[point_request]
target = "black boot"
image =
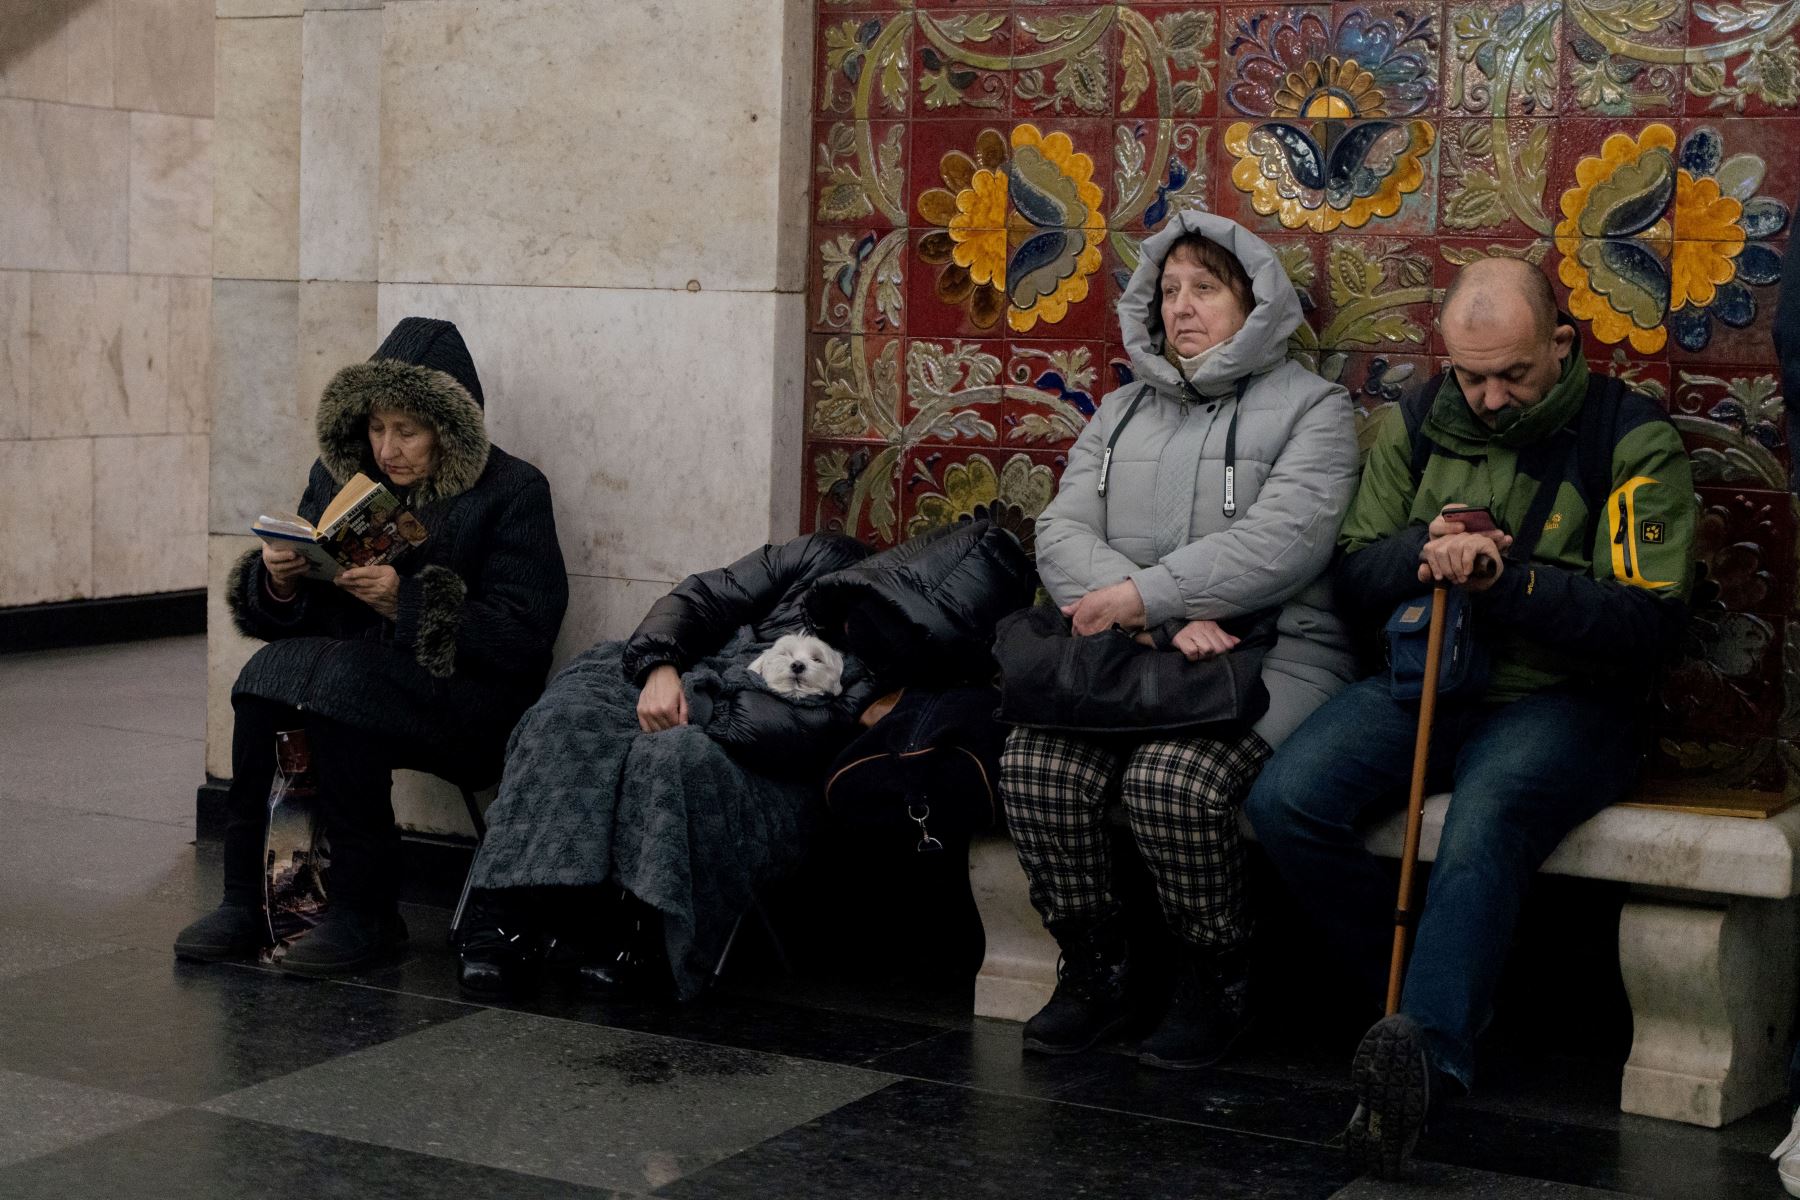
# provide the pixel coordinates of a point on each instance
(1398, 1089)
(1208, 1013)
(347, 940)
(501, 950)
(228, 933)
(626, 960)
(1091, 997)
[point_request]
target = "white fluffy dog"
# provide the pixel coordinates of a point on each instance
(801, 665)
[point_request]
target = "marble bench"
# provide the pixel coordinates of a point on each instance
(1709, 946)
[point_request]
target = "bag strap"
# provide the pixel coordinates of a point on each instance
(1229, 505)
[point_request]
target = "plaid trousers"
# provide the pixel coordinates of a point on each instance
(1181, 796)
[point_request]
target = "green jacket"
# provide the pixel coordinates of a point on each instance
(1601, 595)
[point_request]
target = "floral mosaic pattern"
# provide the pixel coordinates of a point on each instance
(984, 173)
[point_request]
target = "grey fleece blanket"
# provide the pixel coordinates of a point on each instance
(588, 798)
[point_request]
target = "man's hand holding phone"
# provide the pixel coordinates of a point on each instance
(1464, 547)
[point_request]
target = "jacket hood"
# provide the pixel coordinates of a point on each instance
(424, 370)
(1259, 346)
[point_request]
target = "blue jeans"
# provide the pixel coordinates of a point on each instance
(1521, 775)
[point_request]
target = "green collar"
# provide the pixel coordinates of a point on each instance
(1452, 424)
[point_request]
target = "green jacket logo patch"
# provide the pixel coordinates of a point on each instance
(1651, 533)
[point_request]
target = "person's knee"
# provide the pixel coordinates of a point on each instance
(1273, 806)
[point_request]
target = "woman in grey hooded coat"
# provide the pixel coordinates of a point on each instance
(1210, 487)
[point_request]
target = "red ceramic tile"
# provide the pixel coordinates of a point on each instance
(1052, 389)
(1649, 377)
(853, 387)
(1733, 421)
(942, 298)
(961, 62)
(1331, 61)
(1265, 184)
(1160, 168)
(859, 173)
(1375, 293)
(1744, 73)
(944, 157)
(1168, 60)
(857, 281)
(1753, 161)
(945, 485)
(1064, 60)
(1597, 82)
(851, 487)
(1716, 327)
(1496, 178)
(861, 64)
(1501, 58)
(952, 391)
(1745, 542)
(1726, 685)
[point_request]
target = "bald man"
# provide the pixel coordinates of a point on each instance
(1575, 591)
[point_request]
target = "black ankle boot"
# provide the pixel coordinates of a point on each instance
(347, 940)
(228, 933)
(500, 951)
(1091, 997)
(1208, 1013)
(628, 961)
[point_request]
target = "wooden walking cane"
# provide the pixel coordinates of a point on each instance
(1415, 804)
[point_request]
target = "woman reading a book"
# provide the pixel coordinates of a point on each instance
(423, 658)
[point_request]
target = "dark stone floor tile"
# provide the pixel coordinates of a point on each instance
(23, 951)
(722, 1017)
(594, 1106)
(142, 1023)
(40, 1115)
(194, 1155)
(918, 1139)
(1432, 1181)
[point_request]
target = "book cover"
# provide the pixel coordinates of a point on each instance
(365, 525)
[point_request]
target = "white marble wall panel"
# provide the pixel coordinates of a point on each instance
(651, 413)
(58, 50)
(46, 520)
(164, 56)
(15, 354)
(63, 187)
(604, 609)
(262, 445)
(149, 514)
(190, 355)
(288, 8)
(566, 142)
(171, 209)
(227, 650)
(256, 150)
(340, 144)
(337, 327)
(99, 354)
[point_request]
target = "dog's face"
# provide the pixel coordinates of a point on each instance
(798, 665)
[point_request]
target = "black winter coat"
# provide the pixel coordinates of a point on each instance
(481, 600)
(921, 611)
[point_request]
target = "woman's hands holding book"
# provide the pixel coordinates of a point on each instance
(285, 567)
(377, 587)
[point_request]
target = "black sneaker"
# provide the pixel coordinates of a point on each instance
(346, 940)
(1091, 998)
(628, 962)
(497, 961)
(229, 933)
(1394, 1081)
(1208, 1013)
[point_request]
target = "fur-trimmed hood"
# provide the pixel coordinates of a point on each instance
(424, 370)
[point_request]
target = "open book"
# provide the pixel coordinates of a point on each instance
(365, 525)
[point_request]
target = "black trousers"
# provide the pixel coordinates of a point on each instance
(354, 769)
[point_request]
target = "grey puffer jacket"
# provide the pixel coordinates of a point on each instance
(1162, 523)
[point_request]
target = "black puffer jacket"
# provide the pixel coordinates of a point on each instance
(480, 601)
(934, 598)
(924, 612)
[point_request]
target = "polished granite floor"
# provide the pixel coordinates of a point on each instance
(125, 1074)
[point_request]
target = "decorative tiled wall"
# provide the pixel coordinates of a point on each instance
(984, 172)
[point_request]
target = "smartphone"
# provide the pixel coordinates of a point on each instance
(1474, 519)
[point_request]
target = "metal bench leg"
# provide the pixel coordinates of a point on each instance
(462, 901)
(768, 928)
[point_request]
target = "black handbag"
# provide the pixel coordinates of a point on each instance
(1109, 682)
(928, 770)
